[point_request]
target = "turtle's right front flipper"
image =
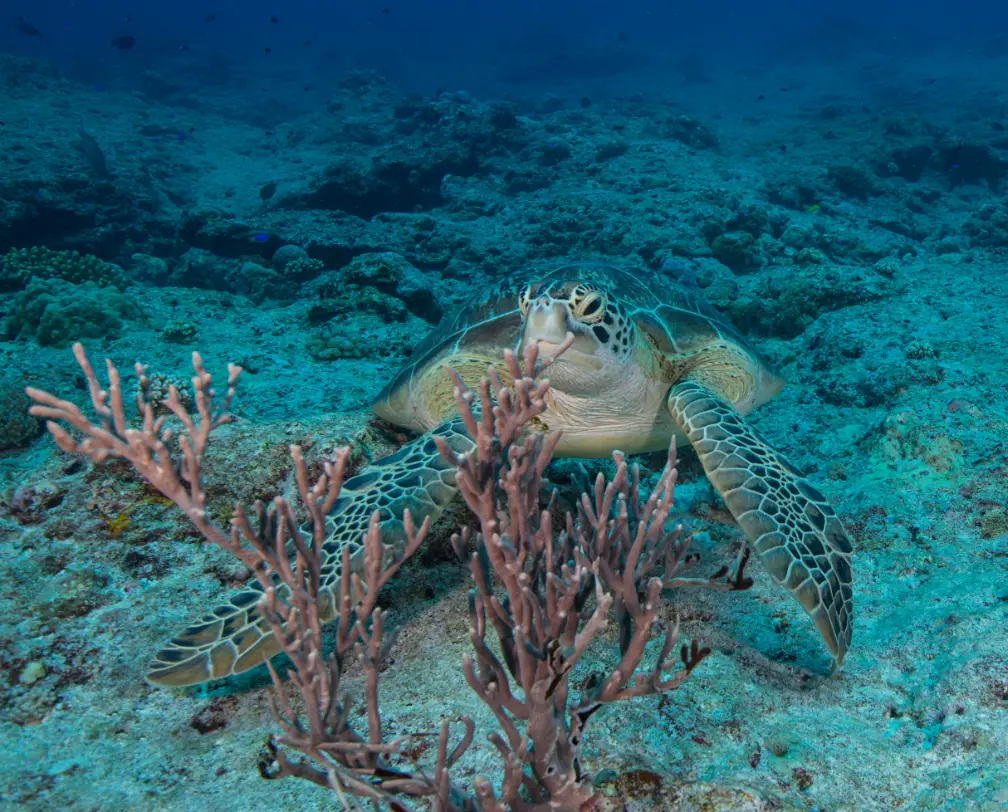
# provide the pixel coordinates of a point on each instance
(792, 527)
(235, 637)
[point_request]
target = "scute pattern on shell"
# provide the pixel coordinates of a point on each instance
(679, 321)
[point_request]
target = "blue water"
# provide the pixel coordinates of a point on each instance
(480, 45)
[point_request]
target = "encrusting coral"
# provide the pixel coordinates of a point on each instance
(53, 312)
(21, 265)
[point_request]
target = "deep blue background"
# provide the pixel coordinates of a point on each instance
(485, 46)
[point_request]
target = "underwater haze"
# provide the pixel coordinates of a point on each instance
(726, 528)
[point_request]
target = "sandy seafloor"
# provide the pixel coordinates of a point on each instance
(868, 260)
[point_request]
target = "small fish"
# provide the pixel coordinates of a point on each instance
(386, 10)
(274, 19)
(815, 208)
(782, 147)
(184, 48)
(306, 43)
(953, 159)
(929, 81)
(261, 237)
(92, 152)
(268, 190)
(268, 132)
(210, 18)
(783, 90)
(27, 28)
(266, 50)
(127, 19)
(761, 97)
(124, 43)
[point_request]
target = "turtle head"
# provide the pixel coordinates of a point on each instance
(604, 333)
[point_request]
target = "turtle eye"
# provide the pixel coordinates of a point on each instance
(590, 308)
(523, 300)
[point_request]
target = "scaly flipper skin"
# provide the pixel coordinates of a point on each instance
(789, 523)
(234, 637)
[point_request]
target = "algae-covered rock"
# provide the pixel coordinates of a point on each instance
(613, 148)
(17, 427)
(149, 270)
(260, 283)
(691, 132)
(785, 306)
(354, 299)
(553, 152)
(178, 331)
(293, 262)
(303, 268)
(224, 235)
(383, 270)
(853, 181)
(389, 273)
(333, 342)
(286, 254)
(735, 250)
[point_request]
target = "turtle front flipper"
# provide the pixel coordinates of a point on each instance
(789, 523)
(235, 637)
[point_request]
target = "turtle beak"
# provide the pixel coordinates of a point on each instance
(546, 322)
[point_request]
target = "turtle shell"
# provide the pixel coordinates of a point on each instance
(677, 321)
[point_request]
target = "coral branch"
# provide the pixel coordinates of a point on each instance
(546, 596)
(332, 753)
(558, 590)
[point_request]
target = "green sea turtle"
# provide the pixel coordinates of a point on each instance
(650, 361)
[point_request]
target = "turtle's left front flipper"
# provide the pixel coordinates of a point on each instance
(789, 523)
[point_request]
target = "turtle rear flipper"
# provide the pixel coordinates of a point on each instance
(790, 524)
(232, 638)
(235, 637)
